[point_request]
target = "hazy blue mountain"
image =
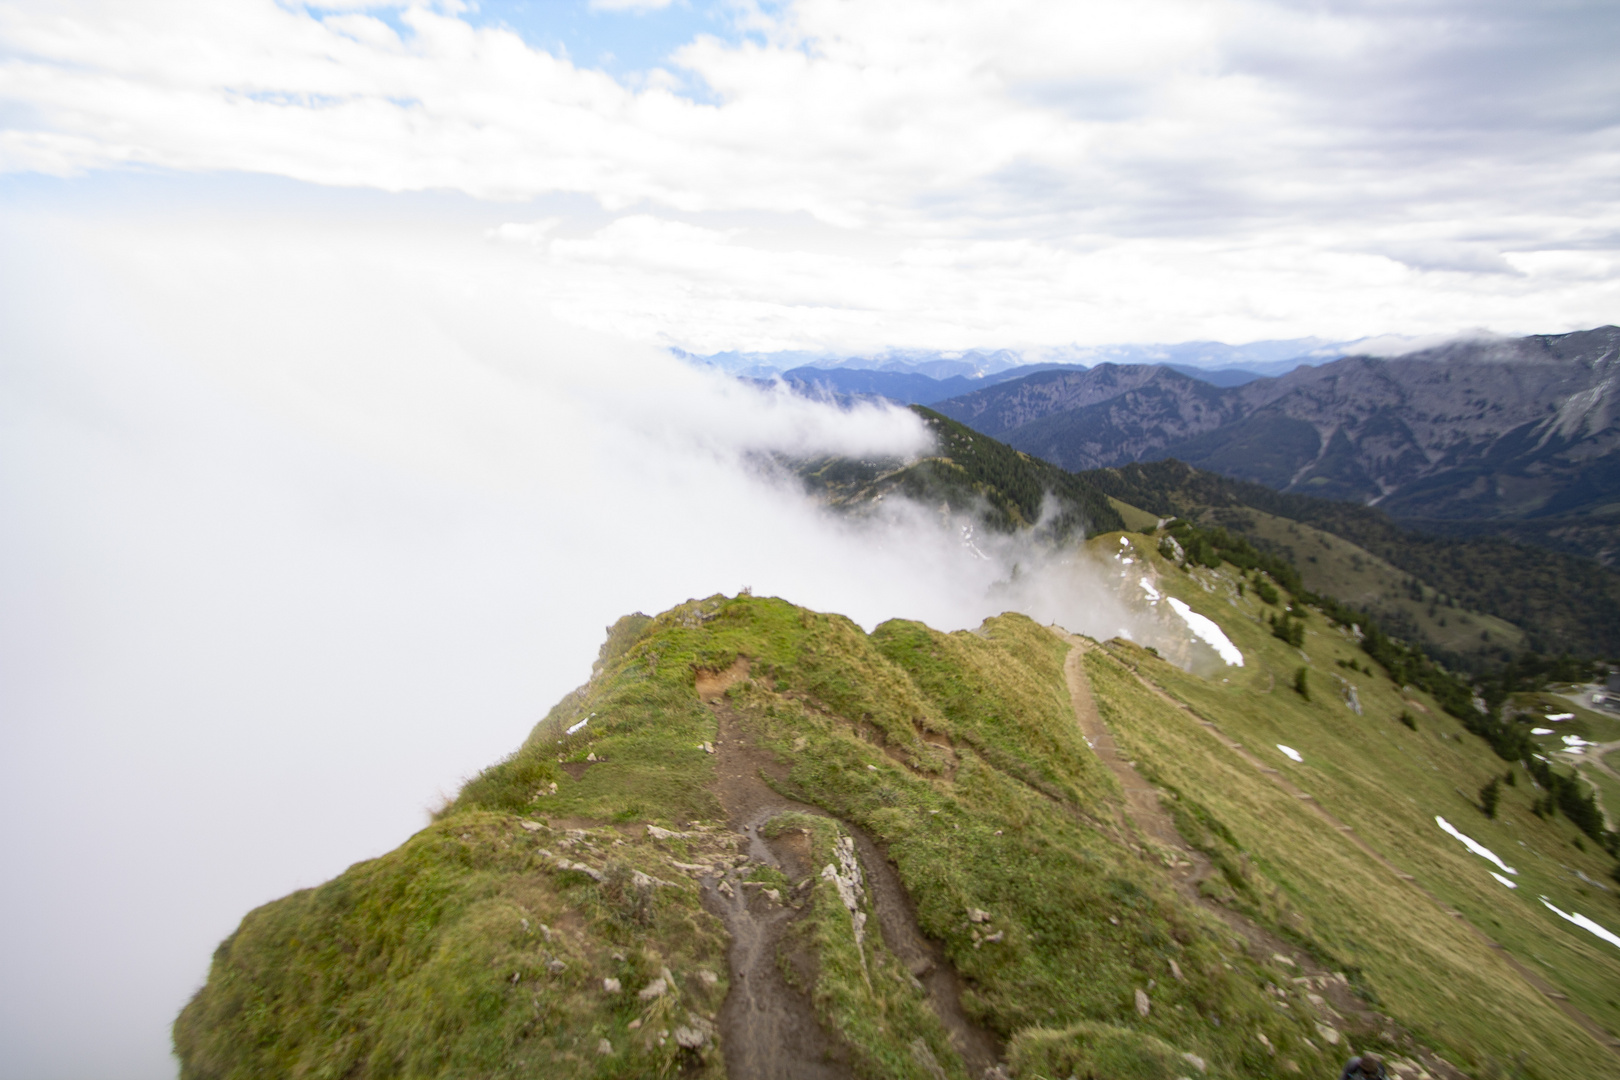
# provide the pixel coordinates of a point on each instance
(1217, 376)
(1225, 364)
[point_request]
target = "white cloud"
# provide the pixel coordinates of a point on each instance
(1031, 173)
(629, 5)
(306, 520)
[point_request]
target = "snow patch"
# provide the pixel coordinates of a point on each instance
(1124, 542)
(1584, 923)
(1153, 594)
(1541, 731)
(1206, 630)
(579, 725)
(1503, 880)
(1560, 716)
(1290, 751)
(1473, 845)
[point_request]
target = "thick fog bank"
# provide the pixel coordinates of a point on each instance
(301, 526)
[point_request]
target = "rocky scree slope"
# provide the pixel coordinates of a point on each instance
(574, 912)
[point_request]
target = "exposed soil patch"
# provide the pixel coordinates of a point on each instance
(768, 1027)
(897, 919)
(576, 769)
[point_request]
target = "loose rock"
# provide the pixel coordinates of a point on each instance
(1143, 1005)
(611, 986)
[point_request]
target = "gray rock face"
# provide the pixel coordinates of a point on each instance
(1471, 430)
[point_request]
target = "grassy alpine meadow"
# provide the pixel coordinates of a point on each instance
(539, 927)
(1390, 782)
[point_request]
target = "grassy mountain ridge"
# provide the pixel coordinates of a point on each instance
(481, 946)
(969, 473)
(1560, 602)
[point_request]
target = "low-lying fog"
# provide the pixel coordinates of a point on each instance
(303, 523)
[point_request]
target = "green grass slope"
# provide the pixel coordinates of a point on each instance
(539, 927)
(1332, 566)
(1560, 602)
(971, 473)
(1389, 782)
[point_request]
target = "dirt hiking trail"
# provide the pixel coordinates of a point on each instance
(1330, 991)
(768, 1027)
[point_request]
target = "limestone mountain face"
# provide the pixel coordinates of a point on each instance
(1515, 429)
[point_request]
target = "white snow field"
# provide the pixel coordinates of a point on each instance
(1473, 845)
(1209, 632)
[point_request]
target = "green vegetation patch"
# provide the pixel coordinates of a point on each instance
(467, 951)
(1094, 1052)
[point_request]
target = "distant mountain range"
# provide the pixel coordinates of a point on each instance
(1216, 358)
(1511, 437)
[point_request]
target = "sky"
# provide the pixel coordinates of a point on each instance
(849, 176)
(338, 416)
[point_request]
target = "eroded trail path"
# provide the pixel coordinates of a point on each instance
(768, 1027)
(1189, 867)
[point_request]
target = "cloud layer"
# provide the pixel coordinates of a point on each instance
(305, 522)
(941, 175)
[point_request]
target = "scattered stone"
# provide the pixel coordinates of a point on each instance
(611, 986)
(1315, 999)
(579, 867)
(556, 967)
(653, 990)
(1281, 959)
(1175, 969)
(532, 826)
(590, 756)
(1330, 1035)
(1196, 1062)
(978, 915)
(774, 895)
(1265, 1042)
(995, 937)
(604, 1048)
(801, 742)
(691, 1038)
(666, 834)
(635, 1024)
(707, 977)
(619, 956)
(1143, 1005)
(647, 881)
